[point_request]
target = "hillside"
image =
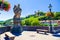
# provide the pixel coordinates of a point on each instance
(34, 19)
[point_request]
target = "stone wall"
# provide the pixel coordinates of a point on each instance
(26, 28)
(33, 28)
(4, 29)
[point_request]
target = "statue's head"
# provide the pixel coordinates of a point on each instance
(17, 9)
(18, 5)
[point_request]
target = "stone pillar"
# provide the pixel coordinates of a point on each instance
(16, 20)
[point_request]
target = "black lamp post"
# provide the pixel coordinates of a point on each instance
(50, 6)
(50, 28)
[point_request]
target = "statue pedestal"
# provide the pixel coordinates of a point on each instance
(16, 30)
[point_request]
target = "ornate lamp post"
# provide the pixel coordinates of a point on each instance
(50, 28)
(50, 6)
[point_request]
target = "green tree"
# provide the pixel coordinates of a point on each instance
(39, 13)
(56, 15)
(42, 18)
(35, 22)
(22, 22)
(27, 22)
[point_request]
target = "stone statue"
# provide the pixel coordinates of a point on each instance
(17, 10)
(16, 20)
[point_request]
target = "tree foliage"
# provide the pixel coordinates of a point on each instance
(33, 20)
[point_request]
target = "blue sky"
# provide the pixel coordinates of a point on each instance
(29, 6)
